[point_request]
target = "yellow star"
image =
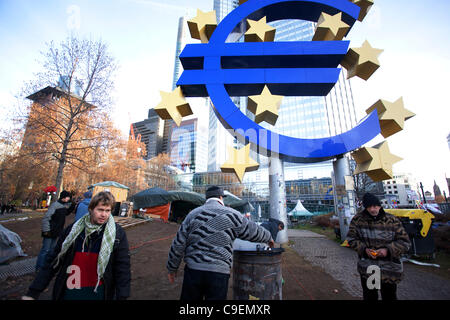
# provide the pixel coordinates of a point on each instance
(330, 27)
(362, 62)
(376, 162)
(173, 106)
(239, 162)
(259, 31)
(265, 106)
(392, 116)
(365, 6)
(203, 25)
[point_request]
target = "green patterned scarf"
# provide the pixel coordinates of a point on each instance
(107, 241)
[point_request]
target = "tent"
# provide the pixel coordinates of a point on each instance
(174, 205)
(299, 211)
(148, 198)
(167, 205)
(9, 245)
(183, 202)
(232, 201)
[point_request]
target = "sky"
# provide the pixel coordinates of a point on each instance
(141, 35)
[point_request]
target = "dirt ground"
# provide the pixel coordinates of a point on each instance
(149, 245)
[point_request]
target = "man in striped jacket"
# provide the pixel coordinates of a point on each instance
(380, 240)
(205, 239)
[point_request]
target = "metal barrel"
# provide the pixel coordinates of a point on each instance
(257, 275)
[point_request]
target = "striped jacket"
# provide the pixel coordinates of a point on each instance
(382, 231)
(206, 236)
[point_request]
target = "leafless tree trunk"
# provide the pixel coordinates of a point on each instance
(71, 101)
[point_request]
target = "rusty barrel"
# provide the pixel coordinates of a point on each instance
(257, 274)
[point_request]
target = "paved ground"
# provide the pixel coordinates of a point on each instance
(314, 267)
(340, 263)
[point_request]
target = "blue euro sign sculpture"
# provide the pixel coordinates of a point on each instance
(224, 68)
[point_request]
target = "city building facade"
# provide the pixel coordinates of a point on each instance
(400, 191)
(300, 117)
(150, 131)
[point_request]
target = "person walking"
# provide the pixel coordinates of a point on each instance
(205, 240)
(82, 208)
(380, 240)
(52, 225)
(91, 260)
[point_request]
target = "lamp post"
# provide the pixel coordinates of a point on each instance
(423, 194)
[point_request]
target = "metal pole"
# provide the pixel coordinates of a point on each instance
(277, 196)
(345, 202)
(423, 194)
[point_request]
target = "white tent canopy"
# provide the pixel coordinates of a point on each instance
(299, 211)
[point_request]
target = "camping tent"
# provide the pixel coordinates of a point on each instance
(9, 245)
(299, 211)
(148, 198)
(167, 205)
(243, 206)
(174, 205)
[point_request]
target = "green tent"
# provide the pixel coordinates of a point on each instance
(148, 198)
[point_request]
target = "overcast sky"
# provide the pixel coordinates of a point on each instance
(141, 35)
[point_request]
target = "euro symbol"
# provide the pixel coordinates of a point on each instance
(224, 68)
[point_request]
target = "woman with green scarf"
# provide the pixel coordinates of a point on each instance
(91, 260)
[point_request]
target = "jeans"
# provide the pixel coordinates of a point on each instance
(199, 285)
(48, 244)
(388, 291)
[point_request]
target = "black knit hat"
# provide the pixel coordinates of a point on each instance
(370, 200)
(214, 192)
(64, 194)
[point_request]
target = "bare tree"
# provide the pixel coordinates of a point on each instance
(363, 183)
(68, 121)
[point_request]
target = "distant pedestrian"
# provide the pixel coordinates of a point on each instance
(52, 225)
(82, 208)
(91, 260)
(205, 240)
(380, 240)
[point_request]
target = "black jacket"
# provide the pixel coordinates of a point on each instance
(116, 278)
(272, 226)
(58, 220)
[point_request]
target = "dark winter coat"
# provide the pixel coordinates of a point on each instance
(116, 278)
(272, 226)
(55, 218)
(382, 231)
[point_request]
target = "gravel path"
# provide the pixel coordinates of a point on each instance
(340, 263)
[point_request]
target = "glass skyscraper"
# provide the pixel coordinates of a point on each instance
(301, 117)
(187, 144)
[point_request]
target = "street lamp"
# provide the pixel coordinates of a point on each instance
(423, 194)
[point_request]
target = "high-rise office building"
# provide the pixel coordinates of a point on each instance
(151, 132)
(219, 137)
(188, 149)
(300, 117)
(187, 144)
